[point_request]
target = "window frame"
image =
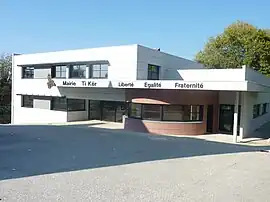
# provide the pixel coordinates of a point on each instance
(69, 101)
(91, 70)
(186, 109)
(256, 111)
(63, 71)
(31, 69)
(55, 106)
(23, 101)
(151, 72)
(71, 70)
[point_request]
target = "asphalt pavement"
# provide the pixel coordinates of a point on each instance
(69, 163)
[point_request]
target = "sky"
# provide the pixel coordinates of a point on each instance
(179, 27)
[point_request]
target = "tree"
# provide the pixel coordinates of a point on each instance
(240, 44)
(5, 88)
(5, 69)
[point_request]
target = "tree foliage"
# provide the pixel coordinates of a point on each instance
(240, 44)
(5, 69)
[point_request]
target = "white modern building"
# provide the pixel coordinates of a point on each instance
(147, 89)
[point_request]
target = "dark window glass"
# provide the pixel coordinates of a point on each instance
(135, 110)
(28, 72)
(153, 72)
(77, 71)
(265, 108)
(59, 104)
(183, 113)
(99, 71)
(59, 71)
(173, 112)
(256, 110)
(75, 105)
(151, 112)
(27, 101)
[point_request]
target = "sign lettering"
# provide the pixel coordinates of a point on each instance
(122, 84)
(188, 85)
(69, 83)
(152, 85)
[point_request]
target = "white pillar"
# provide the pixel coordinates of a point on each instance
(67, 71)
(235, 116)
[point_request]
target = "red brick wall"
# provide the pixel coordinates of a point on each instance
(172, 97)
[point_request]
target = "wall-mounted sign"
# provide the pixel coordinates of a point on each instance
(148, 84)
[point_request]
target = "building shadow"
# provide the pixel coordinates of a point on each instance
(36, 150)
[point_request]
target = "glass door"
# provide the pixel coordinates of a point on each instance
(226, 118)
(108, 111)
(94, 112)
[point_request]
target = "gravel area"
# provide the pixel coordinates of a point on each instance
(66, 163)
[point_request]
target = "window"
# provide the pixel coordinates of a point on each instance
(59, 71)
(153, 72)
(265, 108)
(173, 112)
(27, 101)
(75, 105)
(151, 112)
(183, 113)
(77, 71)
(135, 110)
(59, 104)
(256, 110)
(99, 71)
(28, 72)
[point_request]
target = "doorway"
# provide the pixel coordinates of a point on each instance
(210, 115)
(226, 118)
(111, 111)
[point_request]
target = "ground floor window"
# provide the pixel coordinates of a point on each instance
(59, 104)
(75, 105)
(166, 112)
(256, 110)
(27, 101)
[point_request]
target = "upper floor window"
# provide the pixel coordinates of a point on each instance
(153, 72)
(99, 71)
(59, 71)
(77, 71)
(27, 101)
(28, 72)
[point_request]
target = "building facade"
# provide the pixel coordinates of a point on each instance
(148, 90)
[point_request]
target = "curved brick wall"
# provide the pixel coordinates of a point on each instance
(185, 97)
(159, 127)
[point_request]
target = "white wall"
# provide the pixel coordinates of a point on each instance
(212, 74)
(94, 93)
(25, 115)
(122, 59)
(169, 64)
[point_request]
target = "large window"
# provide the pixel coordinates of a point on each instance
(151, 112)
(264, 108)
(135, 110)
(183, 113)
(98, 71)
(28, 72)
(153, 72)
(59, 104)
(59, 71)
(77, 71)
(256, 110)
(27, 101)
(75, 105)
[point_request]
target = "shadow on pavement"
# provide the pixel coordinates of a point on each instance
(35, 150)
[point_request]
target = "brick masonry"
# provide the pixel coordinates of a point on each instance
(184, 97)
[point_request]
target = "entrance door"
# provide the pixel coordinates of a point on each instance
(108, 111)
(94, 112)
(210, 111)
(226, 118)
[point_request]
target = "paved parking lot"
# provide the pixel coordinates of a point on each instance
(76, 163)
